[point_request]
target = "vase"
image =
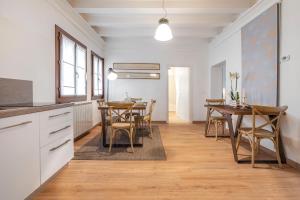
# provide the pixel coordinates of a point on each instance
(235, 103)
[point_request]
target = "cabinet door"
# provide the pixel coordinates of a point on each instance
(19, 156)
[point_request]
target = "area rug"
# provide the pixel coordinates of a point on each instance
(152, 149)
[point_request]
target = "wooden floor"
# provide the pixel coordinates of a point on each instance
(196, 168)
(174, 119)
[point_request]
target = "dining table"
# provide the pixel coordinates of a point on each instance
(228, 111)
(137, 107)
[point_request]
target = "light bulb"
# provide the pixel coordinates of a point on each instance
(112, 75)
(163, 31)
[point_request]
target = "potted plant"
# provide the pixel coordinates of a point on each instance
(234, 93)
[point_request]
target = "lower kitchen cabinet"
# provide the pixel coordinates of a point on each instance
(33, 147)
(20, 156)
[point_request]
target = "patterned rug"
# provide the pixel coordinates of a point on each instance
(152, 149)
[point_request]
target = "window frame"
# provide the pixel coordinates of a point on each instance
(95, 97)
(67, 98)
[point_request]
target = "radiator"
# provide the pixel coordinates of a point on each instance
(82, 118)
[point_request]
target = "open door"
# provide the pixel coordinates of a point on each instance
(179, 95)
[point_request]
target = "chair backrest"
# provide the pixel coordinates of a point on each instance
(120, 111)
(135, 99)
(101, 102)
(215, 102)
(150, 107)
(264, 112)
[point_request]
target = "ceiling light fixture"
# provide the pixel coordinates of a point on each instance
(112, 75)
(163, 31)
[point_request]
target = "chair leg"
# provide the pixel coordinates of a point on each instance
(208, 128)
(112, 133)
(134, 133)
(277, 153)
(216, 125)
(150, 128)
(253, 144)
(131, 141)
(223, 128)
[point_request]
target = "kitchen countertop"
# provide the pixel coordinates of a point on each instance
(17, 110)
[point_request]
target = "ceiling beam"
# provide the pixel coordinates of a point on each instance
(152, 20)
(155, 6)
(149, 32)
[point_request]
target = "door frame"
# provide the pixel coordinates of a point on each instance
(223, 65)
(190, 93)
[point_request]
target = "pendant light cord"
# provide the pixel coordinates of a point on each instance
(164, 8)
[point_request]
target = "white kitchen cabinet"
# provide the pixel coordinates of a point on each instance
(56, 155)
(55, 124)
(19, 156)
(33, 147)
(56, 140)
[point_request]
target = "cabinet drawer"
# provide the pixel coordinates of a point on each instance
(49, 134)
(55, 155)
(58, 116)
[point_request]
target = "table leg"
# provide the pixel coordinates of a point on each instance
(238, 124)
(281, 149)
(103, 124)
(232, 137)
(206, 123)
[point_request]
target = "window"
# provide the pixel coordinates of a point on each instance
(71, 59)
(97, 76)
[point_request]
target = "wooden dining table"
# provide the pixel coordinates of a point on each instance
(139, 107)
(228, 111)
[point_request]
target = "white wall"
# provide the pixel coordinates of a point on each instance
(289, 77)
(27, 42)
(179, 52)
(227, 46)
(230, 50)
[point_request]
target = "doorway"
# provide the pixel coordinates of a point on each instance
(218, 80)
(179, 94)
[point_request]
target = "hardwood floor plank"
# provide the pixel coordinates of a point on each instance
(196, 168)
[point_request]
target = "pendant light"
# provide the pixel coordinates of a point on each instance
(112, 75)
(163, 31)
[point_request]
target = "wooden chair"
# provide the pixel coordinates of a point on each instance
(101, 102)
(217, 120)
(119, 121)
(258, 132)
(147, 118)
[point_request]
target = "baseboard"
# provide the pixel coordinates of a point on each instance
(273, 154)
(159, 122)
(288, 161)
(198, 122)
(87, 132)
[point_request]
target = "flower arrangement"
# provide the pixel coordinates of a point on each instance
(234, 94)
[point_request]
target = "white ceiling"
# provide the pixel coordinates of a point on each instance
(139, 18)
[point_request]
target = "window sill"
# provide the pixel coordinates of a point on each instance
(69, 99)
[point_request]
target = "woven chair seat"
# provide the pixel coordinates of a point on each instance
(122, 125)
(257, 132)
